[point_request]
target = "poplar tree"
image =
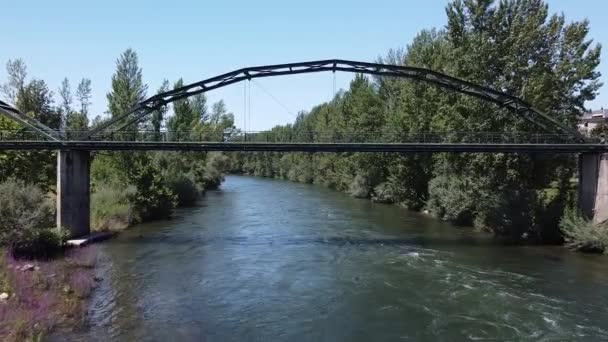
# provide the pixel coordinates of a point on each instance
(152, 198)
(518, 48)
(158, 116)
(65, 92)
(83, 94)
(128, 87)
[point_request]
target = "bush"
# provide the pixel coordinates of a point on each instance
(27, 217)
(359, 187)
(408, 179)
(111, 208)
(452, 199)
(39, 243)
(383, 193)
(583, 235)
(508, 213)
(152, 198)
(215, 165)
(184, 187)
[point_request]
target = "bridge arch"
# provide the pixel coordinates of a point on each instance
(515, 104)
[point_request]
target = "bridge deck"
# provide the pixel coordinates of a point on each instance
(301, 147)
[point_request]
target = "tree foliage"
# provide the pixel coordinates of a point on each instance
(17, 73)
(36, 100)
(27, 220)
(128, 87)
(83, 94)
(127, 187)
(158, 116)
(160, 181)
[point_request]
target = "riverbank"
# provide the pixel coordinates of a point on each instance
(40, 296)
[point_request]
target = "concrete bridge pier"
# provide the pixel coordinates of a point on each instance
(73, 191)
(593, 186)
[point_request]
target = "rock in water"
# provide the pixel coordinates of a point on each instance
(3, 296)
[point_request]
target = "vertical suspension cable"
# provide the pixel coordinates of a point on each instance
(249, 103)
(332, 99)
(245, 111)
(244, 107)
(334, 76)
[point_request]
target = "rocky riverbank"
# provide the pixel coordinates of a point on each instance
(39, 296)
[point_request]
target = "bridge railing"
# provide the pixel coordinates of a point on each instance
(304, 137)
(20, 135)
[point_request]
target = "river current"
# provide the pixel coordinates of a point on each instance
(268, 260)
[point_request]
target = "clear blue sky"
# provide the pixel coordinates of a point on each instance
(200, 39)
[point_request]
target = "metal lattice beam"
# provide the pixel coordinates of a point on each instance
(16, 115)
(518, 106)
(303, 147)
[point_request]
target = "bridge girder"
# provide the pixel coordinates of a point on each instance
(303, 147)
(517, 105)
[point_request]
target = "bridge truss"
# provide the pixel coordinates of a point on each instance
(28, 122)
(516, 105)
(144, 108)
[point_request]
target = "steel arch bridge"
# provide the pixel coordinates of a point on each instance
(104, 136)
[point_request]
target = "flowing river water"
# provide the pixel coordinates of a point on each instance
(268, 260)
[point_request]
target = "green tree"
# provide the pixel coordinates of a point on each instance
(184, 117)
(152, 198)
(33, 167)
(199, 108)
(128, 87)
(158, 116)
(220, 118)
(511, 46)
(17, 73)
(36, 100)
(65, 92)
(78, 120)
(83, 94)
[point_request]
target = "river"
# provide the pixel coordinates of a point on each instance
(269, 260)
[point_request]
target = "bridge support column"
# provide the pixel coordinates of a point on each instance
(593, 186)
(73, 192)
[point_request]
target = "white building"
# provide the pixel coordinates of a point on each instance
(592, 119)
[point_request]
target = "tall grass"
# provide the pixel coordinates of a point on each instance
(111, 208)
(583, 235)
